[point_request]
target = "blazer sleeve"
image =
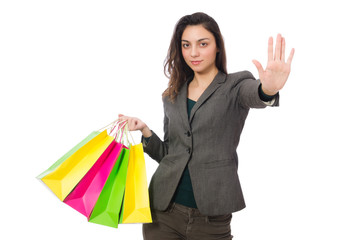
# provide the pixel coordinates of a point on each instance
(248, 92)
(155, 147)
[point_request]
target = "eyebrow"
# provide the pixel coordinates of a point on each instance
(202, 39)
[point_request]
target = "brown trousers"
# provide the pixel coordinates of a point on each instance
(184, 223)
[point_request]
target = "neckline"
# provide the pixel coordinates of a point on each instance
(191, 100)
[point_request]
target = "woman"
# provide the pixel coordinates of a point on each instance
(196, 188)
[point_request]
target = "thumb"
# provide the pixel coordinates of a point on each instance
(259, 67)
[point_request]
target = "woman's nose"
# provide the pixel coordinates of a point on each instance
(194, 52)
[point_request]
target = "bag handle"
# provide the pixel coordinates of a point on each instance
(106, 127)
(129, 132)
(125, 137)
(118, 128)
(120, 131)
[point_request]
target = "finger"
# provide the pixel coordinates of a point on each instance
(135, 124)
(283, 49)
(123, 120)
(260, 68)
(270, 49)
(290, 58)
(278, 47)
(131, 124)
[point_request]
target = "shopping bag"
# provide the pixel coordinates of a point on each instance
(103, 179)
(107, 208)
(67, 175)
(67, 155)
(86, 193)
(136, 205)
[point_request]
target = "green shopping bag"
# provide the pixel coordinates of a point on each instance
(108, 206)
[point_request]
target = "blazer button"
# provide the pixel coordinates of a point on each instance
(188, 133)
(188, 150)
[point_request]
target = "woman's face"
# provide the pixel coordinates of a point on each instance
(199, 49)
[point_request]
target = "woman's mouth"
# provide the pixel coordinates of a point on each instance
(195, 62)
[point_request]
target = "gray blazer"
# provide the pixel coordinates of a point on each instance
(207, 142)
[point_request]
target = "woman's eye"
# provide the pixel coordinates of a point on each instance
(185, 45)
(203, 44)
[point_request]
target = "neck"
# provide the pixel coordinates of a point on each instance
(204, 79)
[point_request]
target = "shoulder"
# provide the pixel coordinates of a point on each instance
(166, 100)
(237, 79)
(238, 76)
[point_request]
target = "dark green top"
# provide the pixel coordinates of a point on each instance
(184, 194)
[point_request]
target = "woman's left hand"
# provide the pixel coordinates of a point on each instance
(277, 70)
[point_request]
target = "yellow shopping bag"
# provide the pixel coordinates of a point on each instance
(136, 205)
(68, 154)
(66, 176)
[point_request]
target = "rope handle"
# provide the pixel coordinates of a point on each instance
(129, 132)
(117, 129)
(120, 130)
(106, 127)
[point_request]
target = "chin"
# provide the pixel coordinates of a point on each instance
(202, 70)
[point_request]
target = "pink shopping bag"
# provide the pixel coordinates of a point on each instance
(85, 194)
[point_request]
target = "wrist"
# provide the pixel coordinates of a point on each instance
(267, 92)
(265, 97)
(146, 132)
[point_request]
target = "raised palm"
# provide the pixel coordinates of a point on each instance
(276, 73)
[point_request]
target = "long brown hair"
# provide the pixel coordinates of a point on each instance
(175, 67)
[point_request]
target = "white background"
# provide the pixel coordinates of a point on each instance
(69, 67)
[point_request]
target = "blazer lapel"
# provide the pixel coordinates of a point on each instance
(215, 84)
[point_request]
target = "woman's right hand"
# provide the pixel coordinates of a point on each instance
(135, 124)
